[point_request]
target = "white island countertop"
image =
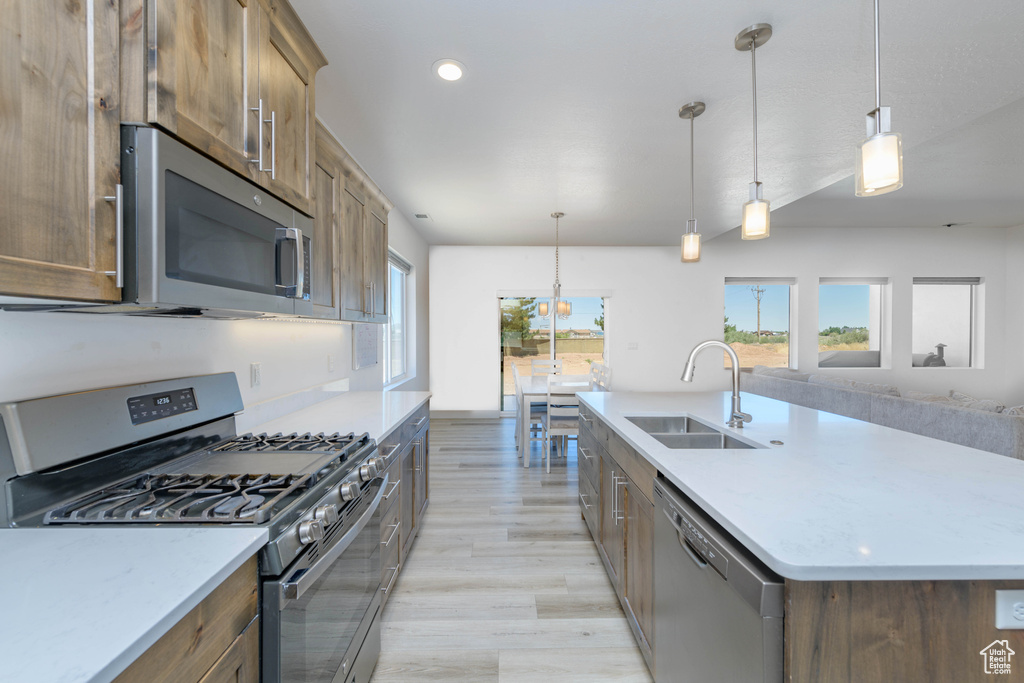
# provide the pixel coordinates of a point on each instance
(82, 604)
(840, 499)
(377, 413)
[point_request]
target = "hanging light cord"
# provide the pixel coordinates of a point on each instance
(557, 283)
(753, 81)
(691, 166)
(878, 69)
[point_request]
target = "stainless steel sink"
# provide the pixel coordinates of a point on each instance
(682, 431)
(714, 440)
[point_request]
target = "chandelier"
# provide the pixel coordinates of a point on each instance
(563, 309)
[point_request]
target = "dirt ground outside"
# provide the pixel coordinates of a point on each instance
(572, 364)
(777, 355)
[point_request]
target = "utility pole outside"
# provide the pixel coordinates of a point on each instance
(758, 293)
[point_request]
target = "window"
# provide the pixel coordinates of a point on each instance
(944, 322)
(757, 321)
(850, 322)
(396, 345)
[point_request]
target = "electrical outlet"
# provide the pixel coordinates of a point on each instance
(1010, 609)
(255, 374)
(330, 362)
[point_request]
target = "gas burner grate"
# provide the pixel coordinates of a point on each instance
(320, 443)
(208, 498)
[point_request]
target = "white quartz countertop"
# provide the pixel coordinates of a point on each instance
(841, 499)
(82, 604)
(375, 412)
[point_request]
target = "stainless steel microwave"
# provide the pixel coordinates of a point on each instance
(197, 236)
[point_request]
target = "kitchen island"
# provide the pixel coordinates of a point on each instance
(891, 544)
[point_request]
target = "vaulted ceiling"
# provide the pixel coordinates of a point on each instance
(571, 105)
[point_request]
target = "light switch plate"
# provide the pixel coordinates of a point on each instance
(1010, 609)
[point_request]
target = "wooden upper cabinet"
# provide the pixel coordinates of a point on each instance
(60, 144)
(362, 214)
(232, 78)
(201, 84)
(289, 60)
(327, 188)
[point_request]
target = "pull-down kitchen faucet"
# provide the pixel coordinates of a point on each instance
(738, 416)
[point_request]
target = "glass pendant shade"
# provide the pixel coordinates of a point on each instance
(542, 309)
(563, 309)
(756, 219)
(879, 165)
(690, 252)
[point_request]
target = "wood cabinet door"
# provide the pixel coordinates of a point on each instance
(353, 290)
(287, 65)
(638, 574)
(422, 475)
(202, 77)
(408, 501)
(60, 144)
(325, 271)
(612, 517)
(375, 261)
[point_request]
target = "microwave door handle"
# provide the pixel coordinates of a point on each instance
(300, 263)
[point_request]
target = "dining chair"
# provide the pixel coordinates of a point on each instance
(563, 415)
(534, 410)
(546, 367)
(600, 377)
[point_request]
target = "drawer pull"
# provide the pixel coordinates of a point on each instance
(393, 487)
(392, 537)
(420, 421)
(392, 581)
(583, 499)
(583, 452)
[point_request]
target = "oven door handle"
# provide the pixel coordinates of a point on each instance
(305, 578)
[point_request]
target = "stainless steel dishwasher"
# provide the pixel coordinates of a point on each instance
(718, 611)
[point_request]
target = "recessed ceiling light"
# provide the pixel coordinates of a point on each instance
(449, 69)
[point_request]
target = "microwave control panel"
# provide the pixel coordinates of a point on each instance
(151, 407)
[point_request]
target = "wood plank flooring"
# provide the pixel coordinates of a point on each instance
(504, 583)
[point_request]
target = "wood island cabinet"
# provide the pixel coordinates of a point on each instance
(60, 144)
(233, 78)
(615, 485)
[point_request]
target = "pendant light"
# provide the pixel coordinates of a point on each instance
(880, 156)
(690, 248)
(756, 212)
(563, 309)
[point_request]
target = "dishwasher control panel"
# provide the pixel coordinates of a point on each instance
(699, 541)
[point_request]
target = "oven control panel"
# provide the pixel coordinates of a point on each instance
(151, 407)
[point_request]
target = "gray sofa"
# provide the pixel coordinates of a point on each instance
(988, 431)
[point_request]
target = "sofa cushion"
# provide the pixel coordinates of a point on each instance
(1017, 411)
(844, 383)
(925, 396)
(841, 401)
(963, 400)
(784, 373)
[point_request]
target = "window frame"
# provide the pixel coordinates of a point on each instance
(975, 359)
(395, 261)
(791, 282)
(883, 319)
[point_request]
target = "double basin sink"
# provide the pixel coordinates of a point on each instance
(683, 431)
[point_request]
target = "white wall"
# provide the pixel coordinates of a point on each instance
(404, 239)
(666, 307)
(51, 353)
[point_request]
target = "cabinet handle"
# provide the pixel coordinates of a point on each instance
(118, 200)
(259, 137)
(366, 299)
(584, 417)
(583, 452)
(583, 500)
(393, 577)
(373, 298)
(393, 487)
(419, 422)
(392, 537)
(617, 482)
(273, 144)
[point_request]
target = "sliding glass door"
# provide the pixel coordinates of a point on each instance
(526, 335)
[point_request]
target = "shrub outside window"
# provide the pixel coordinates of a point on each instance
(757, 321)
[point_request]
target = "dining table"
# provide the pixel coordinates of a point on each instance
(535, 390)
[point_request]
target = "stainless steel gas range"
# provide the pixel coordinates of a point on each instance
(166, 453)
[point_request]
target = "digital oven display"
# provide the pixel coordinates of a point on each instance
(151, 407)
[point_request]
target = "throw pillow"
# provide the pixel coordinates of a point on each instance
(1015, 410)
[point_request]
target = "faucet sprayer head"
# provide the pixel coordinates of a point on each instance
(687, 372)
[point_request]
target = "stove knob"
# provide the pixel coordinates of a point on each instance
(379, 464)
(310, 531)
(348, 491)
(367, 471)
(326, 514)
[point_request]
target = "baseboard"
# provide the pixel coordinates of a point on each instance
(464, 414)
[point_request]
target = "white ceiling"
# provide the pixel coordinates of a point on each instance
(571, 105)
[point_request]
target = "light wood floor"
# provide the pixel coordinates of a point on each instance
(504, 582)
